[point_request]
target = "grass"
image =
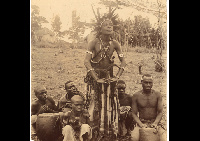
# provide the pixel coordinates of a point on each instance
(52, 68)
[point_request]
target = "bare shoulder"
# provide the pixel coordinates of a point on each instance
(116, 43)
(86, 113)
(93, 42)
(158, 94)
(63, 98)
(34, 107)
(67, 114)
(35, 103)
(128, 95)
(135, 95)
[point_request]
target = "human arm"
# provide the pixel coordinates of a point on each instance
(159, 111)
(58, 105)
(34, 109)
(37, 109)
(53, 108)
(121, 58)
(87, 115)
(88, 57)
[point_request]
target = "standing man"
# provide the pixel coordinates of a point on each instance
(44, 104)
(125, 102)
(65, 101)
(148, 103)
(99, 56)
(76, 123)
(100, 51)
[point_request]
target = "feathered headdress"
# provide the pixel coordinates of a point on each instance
(107, 16)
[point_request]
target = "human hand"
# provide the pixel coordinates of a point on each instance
(143, 126)
(114, 79)
(101, 80)
(153, 125)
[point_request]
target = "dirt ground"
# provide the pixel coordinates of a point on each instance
(52, 67)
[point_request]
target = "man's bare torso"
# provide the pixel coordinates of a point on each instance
(103, 62)
(36, 105)
(147, 105)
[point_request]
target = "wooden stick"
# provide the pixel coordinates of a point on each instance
(108, 95)
(113, 11)
(102, 111)
(98, 13)
(95, 14)
(91, 106)
(116, 116)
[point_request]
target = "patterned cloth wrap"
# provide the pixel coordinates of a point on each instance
(97, 96)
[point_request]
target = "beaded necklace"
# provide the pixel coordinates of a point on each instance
(105, 46)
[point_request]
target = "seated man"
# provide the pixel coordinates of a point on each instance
(65, 102)
(148, 103)
(125, 109)
(44, 104)
(76, 123)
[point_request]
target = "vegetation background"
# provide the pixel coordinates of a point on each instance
(55, 60)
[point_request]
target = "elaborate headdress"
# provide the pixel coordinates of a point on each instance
(109, 16)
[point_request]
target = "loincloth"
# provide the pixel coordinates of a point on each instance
(147, 122)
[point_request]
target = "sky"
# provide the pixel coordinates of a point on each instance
(64, 8)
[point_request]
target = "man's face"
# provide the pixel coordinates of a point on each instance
(77, 106)
(71, 88)
(121, 89)
(147, 83)
(107, 27)
(42, 95)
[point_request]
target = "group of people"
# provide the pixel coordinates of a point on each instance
(147, 102)
(151, 40)
(144, 109)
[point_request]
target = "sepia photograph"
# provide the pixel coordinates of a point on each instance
(99, 70)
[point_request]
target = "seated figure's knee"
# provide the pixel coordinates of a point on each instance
(135, 134)
(85, 126)
(86, 129)
(67, 129)
(162, 134)
(68, 133)
(33, 119)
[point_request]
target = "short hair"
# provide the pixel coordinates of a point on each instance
(67, 83)
(76, 97)
(121, 82)
(146, 75)
(38, 89)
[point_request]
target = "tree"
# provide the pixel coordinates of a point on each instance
(36, 22)
(75, 32)
(56, 25)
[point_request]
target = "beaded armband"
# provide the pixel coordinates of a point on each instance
(121, 55)
(90, 70)
(89, 52)
(122, 68)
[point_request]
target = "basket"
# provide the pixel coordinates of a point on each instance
(146, 134)
(48, 126)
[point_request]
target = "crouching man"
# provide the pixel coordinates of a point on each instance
(43, 104)
(76, 123)
(148, 104)
(126, 118)
(64, 104)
